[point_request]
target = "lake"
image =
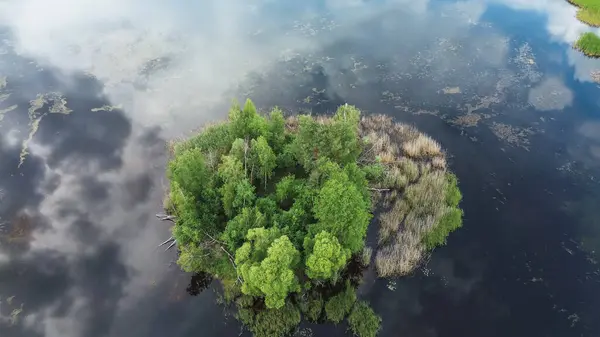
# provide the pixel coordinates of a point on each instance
(90, 92)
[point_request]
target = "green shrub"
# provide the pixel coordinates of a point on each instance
(374, 172)
(453, 195)
(275, 322)
(338, 306)
(363, 321)
(312, 306)
(449, 222)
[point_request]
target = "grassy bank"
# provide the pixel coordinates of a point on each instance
(589, 11)
(589, 44)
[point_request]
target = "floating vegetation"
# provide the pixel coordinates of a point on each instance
(33, 127)
(451, 90)
(574, 318)
(55, 102)
(108, 108)
(3, 84)
(468, 120)
(525, 61)
(14, 315)
(7, 110)
(388, 96)
(391, 285)
(513, 135)
(13, 318)
(595, 76)
(551, 94)
(484, 103)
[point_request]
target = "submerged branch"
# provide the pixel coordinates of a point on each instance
(231, 258)
(166, 241)
(172, 244)
(166, 217)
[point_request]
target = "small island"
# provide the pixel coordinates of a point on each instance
(277, 210)
(588, 13)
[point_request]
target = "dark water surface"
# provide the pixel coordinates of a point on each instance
(496, 82)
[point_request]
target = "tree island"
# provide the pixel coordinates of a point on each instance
(277, 209)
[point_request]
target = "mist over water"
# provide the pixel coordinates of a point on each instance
(95, 89)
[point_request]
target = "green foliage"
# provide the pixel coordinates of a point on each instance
(193, 196)
(338, 306)
(363, 321)
(453, 195)
(589, 44)
(451, 220)
(327, 257)
(284, 190)
(276, 135)
(238, 227)
(337, 140)
(374, 172)
(190, 172)
(275, 208)
(312, 306)
(216, 139)
(589, 11)
(274, 276)
(262, 159)
(270, 322)
(237, 191)
(246, 123)
(342, 211)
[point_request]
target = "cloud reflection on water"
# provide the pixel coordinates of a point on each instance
(92, 181)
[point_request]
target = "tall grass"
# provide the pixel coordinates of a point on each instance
(589, 44)
(419, 207)
(589, 11)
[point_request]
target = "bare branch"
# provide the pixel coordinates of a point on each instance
(380, 189)
(172, 244)
(166, 217)
(167, 241)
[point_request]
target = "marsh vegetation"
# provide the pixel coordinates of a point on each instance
(588, 13)
(278, 208)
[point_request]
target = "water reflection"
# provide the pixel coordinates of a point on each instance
(78, 237)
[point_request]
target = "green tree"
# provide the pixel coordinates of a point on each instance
(363, 321)
(276, 133)
(274, 276)
(263, 159)
(240, 150)
(194, 197)
(312, 305)
(327, 257)
(246, 123)
(215, 139)
(341, 210)
(237, 191)
(237, 228)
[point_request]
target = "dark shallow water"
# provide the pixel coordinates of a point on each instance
(78, 235)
